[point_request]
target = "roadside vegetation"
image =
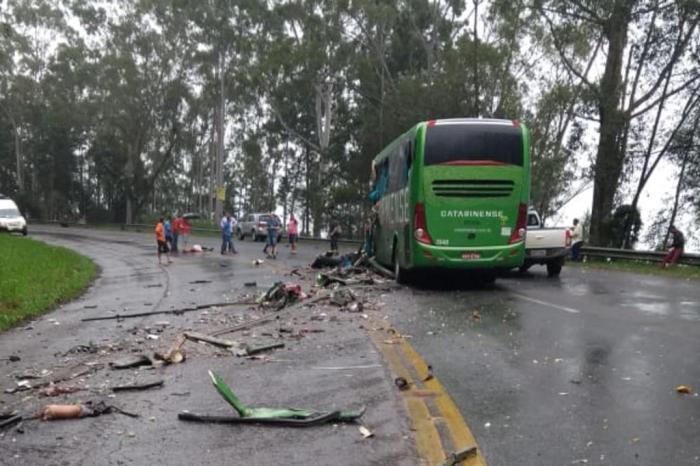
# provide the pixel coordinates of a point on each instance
(643, 267)
(35, 277)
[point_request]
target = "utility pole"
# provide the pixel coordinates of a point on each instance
(221, 128)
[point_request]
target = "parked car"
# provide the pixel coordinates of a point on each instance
(10, 217)
(545, 246)
(255, 226)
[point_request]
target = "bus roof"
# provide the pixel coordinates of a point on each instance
(439, 122)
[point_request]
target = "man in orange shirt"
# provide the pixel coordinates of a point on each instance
(162, 244)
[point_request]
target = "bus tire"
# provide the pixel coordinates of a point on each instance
(400, 274)
(554, 268)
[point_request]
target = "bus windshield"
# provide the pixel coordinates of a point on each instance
(466, 144)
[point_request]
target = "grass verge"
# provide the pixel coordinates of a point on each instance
(35, 277)
(641, 267)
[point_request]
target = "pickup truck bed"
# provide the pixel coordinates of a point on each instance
(545, 246)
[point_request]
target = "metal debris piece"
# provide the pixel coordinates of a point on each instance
(249, 351)
(250, 284)
(366, 433)
(684, 389)
(290, 417)
(168, 311)
(131, 361)
(138, 386)
(209, 339)
(10, 421)
(453, 459)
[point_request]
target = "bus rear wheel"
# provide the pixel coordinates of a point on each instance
(401, 275)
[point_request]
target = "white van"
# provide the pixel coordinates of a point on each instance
(10, 218)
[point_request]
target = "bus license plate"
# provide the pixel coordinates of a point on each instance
(471, 256)
(538, 252)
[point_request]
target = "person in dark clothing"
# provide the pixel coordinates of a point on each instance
(334, 236)
(677, 245)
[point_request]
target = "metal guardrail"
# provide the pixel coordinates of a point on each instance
(633, 255)
(590, 251)
(217, 231)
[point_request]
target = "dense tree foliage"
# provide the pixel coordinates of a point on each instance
(118, 110)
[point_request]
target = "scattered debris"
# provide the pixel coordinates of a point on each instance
(249, 351)
(366, 433)
(10, 420)
(429, 375)
(169, 311)
(243, 326)
(54, 390)
(342, 296)
(209, 339)
(88, 409)
(138, 386)
(198, 282)
(476, 316)
(453, 459)
(11, 358)
(131, 361)
(402, 383)
(289, 417)
(684, 389)
(90, 306)
(258, 262)
(250, 284)
(174, 355)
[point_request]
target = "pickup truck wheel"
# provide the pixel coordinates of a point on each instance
(554, 268)
(24, 231)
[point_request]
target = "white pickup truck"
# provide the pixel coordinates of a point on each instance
(545, 246)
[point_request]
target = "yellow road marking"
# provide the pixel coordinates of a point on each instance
(462, 436)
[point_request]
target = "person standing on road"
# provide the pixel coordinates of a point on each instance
(576, 240)
(334, 236)
(167, 225)
(185, 233)
(273, 225)
(677, 246)
(162, 244)
(225, 225)
(176, 232)
(293, 231)
(234, 222)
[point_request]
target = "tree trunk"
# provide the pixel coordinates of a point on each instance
(221, 128)
(679, 186)
(610, 155)
(18, 155)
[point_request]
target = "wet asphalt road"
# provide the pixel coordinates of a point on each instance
(337, 368)
(576, 370)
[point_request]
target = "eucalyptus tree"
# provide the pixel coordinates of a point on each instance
(644, 63)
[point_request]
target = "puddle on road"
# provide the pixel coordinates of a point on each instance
(657, 308)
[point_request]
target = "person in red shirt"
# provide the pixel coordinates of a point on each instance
(176, 232)
(162, 243)
(185, 233)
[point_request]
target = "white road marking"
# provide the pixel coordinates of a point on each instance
(545, 303)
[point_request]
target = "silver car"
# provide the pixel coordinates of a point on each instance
(255, 226)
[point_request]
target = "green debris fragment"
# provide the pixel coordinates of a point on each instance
(279, 416)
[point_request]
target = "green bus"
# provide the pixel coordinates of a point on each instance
(452, 193)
